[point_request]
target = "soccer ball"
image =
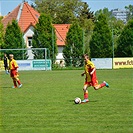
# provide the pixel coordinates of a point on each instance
(77, 100)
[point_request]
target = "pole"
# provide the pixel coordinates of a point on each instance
(71, 55)
(22, 36)
(112, 43)
(23, 45)
(83, 42)
(112, 46)
(53, 42)
(45, 59)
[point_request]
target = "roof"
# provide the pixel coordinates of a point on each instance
(28, 16)
(24, 14)
(10, 16)
(61, 31)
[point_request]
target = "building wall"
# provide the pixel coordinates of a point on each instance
(120, 14)
(60, 54)
(29, 33)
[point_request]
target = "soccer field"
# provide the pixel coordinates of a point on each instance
(45, 103)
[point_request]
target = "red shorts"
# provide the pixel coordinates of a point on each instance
(92, 83)
(14, 73)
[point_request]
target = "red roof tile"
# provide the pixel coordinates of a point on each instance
(28, 16)
(12, 15)
(61, 31)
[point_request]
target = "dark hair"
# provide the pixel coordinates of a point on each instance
(87, 56)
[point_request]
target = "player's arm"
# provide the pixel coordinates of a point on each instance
(93, 70)
(83, 74)
(15, 65)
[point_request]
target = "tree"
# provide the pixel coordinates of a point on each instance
(129, 9)
(86, 21)
(73, 50)
(85, 15)
(44, 37)
(61, 11)
(85, 12)
(125, 41)
(116, 26)
(1, 33)
(101, 41)
(13, 39)
(104, 11)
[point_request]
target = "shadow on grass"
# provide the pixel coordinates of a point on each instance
(6, 87)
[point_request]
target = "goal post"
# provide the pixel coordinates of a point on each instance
(29, 58)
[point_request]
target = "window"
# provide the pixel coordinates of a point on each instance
(29, 41)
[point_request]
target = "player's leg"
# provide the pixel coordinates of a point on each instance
(99, 86)
(5, 66)
(17, 79)
(19, 83)
(85, 93)
(14, 82)
(6, 69)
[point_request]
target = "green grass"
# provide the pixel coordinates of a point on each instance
(45, 103)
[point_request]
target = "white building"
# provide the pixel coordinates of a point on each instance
(120, 14)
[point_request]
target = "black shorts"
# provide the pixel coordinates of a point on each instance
(5, 65)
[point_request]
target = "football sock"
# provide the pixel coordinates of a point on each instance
(15, 84)
(102, 85)
(86, 95)
(18, 81)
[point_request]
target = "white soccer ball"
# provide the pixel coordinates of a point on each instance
(77, 100)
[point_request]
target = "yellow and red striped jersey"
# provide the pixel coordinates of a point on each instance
(89, 66)
(13, 64)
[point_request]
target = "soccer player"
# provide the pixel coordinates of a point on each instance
(6, 63)
(13, 66)
(91, 79)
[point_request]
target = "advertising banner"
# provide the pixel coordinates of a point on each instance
(41, 65)
(1, 65)
(102, 63)
(122, 63)
(24, 64)
(31, 65)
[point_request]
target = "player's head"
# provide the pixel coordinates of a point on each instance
(5, 54)
(11, 56)
(86, 57)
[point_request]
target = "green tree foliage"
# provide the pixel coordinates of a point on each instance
(44, 37)
(129, 9)
(87, 33)
(104, 11)
(85, 14)
(125, 41)
(73, 50)
(116, 26)
(1, 33)
(101, 41)
(86, 21)
(61, 11)
(13, 39)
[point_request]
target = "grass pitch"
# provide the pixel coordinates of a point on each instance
(45, 103)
